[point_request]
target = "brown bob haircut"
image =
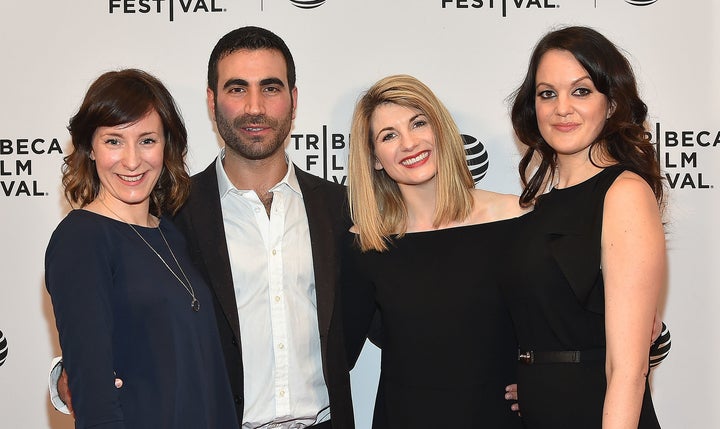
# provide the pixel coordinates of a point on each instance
(125, 97)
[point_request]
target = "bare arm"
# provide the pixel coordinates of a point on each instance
(634, 270)
(658, 352)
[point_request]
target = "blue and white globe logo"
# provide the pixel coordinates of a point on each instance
(476, 156)
(307, 4)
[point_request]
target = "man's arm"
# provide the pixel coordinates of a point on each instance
(60, 396)
(58, 386)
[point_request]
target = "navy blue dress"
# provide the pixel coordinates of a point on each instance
(121, 312)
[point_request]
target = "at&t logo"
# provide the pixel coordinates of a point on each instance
(477, 157)
(640, 2)
(3, 348)
(307, 4)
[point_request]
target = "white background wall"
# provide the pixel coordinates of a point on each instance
(472, 53)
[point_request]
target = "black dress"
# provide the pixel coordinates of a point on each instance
(448, 348)
(554, 288)
(120, 312)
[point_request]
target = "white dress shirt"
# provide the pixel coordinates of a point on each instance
(272, 270)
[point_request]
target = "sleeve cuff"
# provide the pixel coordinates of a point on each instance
(55, 371)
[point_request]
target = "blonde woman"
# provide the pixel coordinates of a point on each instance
(420, 253)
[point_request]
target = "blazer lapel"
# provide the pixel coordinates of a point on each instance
(322, 239)
(207, 224)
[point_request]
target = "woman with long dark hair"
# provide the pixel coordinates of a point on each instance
(585, 272)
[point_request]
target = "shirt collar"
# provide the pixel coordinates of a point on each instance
(225, 185)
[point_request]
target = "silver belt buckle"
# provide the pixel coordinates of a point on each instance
(526, 357)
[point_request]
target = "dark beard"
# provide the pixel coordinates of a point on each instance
(257, 147)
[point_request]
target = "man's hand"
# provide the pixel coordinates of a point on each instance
(64, 390)
(511, 395)
(511, 390)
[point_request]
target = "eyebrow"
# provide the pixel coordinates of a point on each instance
(118, 134)
(263, 82)
(392, 128)
(571, 83)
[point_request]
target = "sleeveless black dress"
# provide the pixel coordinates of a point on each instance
(554, 288)
(448, 348)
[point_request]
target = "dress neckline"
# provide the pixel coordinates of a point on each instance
(462, 227)
(590, 179)
(102, 216)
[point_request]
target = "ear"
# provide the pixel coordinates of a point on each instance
(294, 95)
(378, 165)
(92, 155)
(611, 109)
(211, 102)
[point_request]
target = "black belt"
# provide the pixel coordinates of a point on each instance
(565, 356)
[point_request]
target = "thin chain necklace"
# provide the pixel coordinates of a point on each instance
(194, 304)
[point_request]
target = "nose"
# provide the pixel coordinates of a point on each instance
(254, 103)
(408, 142)
(131, 157)
(564, 105)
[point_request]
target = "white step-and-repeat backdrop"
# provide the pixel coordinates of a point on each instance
(472, 53)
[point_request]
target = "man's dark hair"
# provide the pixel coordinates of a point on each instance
(250, 38)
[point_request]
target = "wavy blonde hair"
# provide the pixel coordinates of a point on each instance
(376, 204)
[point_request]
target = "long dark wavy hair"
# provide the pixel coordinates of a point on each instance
(623, 138)
(123, 97)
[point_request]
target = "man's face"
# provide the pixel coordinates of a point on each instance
(253, 107)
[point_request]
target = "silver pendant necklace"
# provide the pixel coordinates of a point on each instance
(194, 304)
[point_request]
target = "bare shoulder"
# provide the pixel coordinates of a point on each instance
(493, 206)
(630, 202)
(629, 190)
